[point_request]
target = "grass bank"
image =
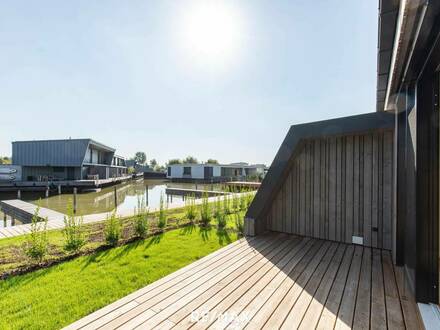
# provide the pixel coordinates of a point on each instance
(53, 297)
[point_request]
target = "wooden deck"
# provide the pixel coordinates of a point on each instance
(273, 281)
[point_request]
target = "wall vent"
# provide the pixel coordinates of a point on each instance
(358, 240)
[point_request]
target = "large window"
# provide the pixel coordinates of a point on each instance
(187, 170)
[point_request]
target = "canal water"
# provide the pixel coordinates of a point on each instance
(128, 195)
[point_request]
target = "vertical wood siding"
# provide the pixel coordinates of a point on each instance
(339, 187)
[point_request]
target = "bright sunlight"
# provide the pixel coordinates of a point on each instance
(211, 32)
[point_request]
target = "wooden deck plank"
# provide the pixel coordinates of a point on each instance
(331, 307)
(378, 308)
(249, 305)
(409, 306)
(314, 311)
(176, 289)
(211, 298)
(394, 311)
(233, 305)
(181, 273)
(272, 314)
(299, 309)
(272, 282)
(362, 311)
(208, 293)
(348, 303)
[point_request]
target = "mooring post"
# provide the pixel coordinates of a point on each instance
(171, 198)
(196, 185)
(12, 221)
(74, 200)
(59, 189)
(47, 191)
(146, 194)
(116, 198)
(4, 219)
(18, 194)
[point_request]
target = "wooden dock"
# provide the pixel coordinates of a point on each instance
(193, 192)
(24, 211)
(243, 184)
(64, 185)
(275, 281)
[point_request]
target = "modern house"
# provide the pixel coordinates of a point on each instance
(70, 159)
(214, 172)
(372, 179)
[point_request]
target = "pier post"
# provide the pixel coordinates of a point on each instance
(146, 194)
(4, 219)
(196, 185)
(47, 191)
(12, 221)
(59, 189)
(171, 198)
(18, 194)
(116, 198)
(74, 200)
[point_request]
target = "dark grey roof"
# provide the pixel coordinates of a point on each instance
(388, 11)
(68, 152)
(401, 62)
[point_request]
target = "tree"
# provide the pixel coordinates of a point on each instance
(174, 161)
(140, 157)
(212, 161)
(190, 160)
(153, 163)
(5, 160)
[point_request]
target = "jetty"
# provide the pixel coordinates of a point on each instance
(243, 184)
(193, 192)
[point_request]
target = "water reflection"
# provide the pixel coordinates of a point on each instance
(104, 200)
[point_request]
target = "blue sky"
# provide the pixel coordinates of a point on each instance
(124, 73)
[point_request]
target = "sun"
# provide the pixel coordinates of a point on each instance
(211, 32)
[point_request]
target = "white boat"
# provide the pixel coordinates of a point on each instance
(7, 170)
(6, 177)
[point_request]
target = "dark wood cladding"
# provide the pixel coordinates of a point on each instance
(339, 187)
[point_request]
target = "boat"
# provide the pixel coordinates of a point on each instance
(7, 177)
(7, 170)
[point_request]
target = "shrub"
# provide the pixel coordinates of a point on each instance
(219, 215)
(235, 203)
(205, 210)
(226, 204)
(162, 222)
(239, 223)
(141, 219)
(36, 244)
(249, 199)
(73, 230)
(112, 229)
(242, 202)
(190, 208)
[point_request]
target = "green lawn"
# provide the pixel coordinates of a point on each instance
(54, 297)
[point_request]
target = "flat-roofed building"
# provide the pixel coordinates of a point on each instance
(68, 159)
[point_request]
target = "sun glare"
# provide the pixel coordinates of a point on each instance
(211, 32)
